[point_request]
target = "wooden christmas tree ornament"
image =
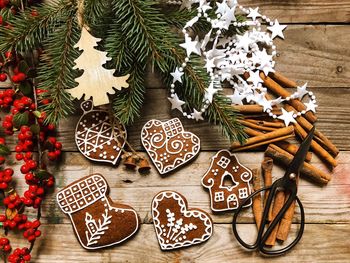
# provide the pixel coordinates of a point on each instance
(96, 81)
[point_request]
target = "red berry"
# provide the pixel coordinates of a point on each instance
(25, 169)
(3, 185)
(7, 248)
(18, 148)
(8, 172)
(2, 218)
(2, 159)
(4, 241)
(2, 140)
(19, 156)
(3, 77)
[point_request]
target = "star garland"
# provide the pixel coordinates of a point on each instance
(229, 57)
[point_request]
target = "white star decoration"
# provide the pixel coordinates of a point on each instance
(190, 46)
(302, 91)
(287, 117)
(254, 13)
(311, 106)
(177, 75)
(210, 92)
(197, 115)
(176, 103)
(277, 30)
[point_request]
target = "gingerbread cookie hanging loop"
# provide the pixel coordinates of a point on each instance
(87, 105)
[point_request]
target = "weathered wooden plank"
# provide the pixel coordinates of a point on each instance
(311, 11)
(326, 204)
(320, 243)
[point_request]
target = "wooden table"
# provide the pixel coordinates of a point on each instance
(316, 50)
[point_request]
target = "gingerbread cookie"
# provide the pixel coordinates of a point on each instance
(168, 145)
(177, 226)
(95, 136)
(223, 196)
(97, 221)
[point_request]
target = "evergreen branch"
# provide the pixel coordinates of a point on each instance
(27, 32)
(148, 34)
(128, 103)
(55, 71)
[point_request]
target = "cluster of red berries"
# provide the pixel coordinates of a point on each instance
(6, 97)
(54, 149)
(20, 255)
(5, 244)
(12, 201)
(18, 220)
(33, 196)
(32, 232)
(5, 178)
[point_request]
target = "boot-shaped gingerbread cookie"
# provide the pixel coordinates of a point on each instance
(97, 221)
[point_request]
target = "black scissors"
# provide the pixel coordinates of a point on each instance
(288, 183)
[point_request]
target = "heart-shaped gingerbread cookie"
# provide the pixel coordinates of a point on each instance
(168, 145)
(177, 226)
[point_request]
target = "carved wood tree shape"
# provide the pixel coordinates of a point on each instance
(96, 81)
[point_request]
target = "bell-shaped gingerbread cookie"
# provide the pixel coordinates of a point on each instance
(97, 221)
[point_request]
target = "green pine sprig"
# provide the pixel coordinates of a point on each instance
(55, 70)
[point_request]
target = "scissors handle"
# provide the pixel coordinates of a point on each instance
(263, 236)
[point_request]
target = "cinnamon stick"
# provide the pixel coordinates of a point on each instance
(322, 153)
(266, 168)
(319, 136)
(286, 222)
(283, 81)
(253, 109)
(255, 126)
(280, 91)
(276, 207)
(307, 170)
(262, 143)
(288, 131)
(251, 132)
(292, 149)
(257, 203)
(266, 123)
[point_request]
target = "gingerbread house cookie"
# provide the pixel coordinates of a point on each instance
(176, 225)
(168, 144)
(98, 222)
(224, 197)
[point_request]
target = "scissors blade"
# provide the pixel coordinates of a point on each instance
(300, 156)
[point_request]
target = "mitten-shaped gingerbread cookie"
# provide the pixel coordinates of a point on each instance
(97, 221)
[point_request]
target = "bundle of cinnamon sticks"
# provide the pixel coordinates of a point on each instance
(281, 231)
(264, 131)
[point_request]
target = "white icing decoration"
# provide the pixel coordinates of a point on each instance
(164, 238)
(173, 147)
(209, 181)
(94, 227)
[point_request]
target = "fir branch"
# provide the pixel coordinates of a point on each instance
(128, 103)
(55, 71)
(149, 35)
(27, 32)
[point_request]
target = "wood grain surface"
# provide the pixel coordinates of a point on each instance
(315, 51)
